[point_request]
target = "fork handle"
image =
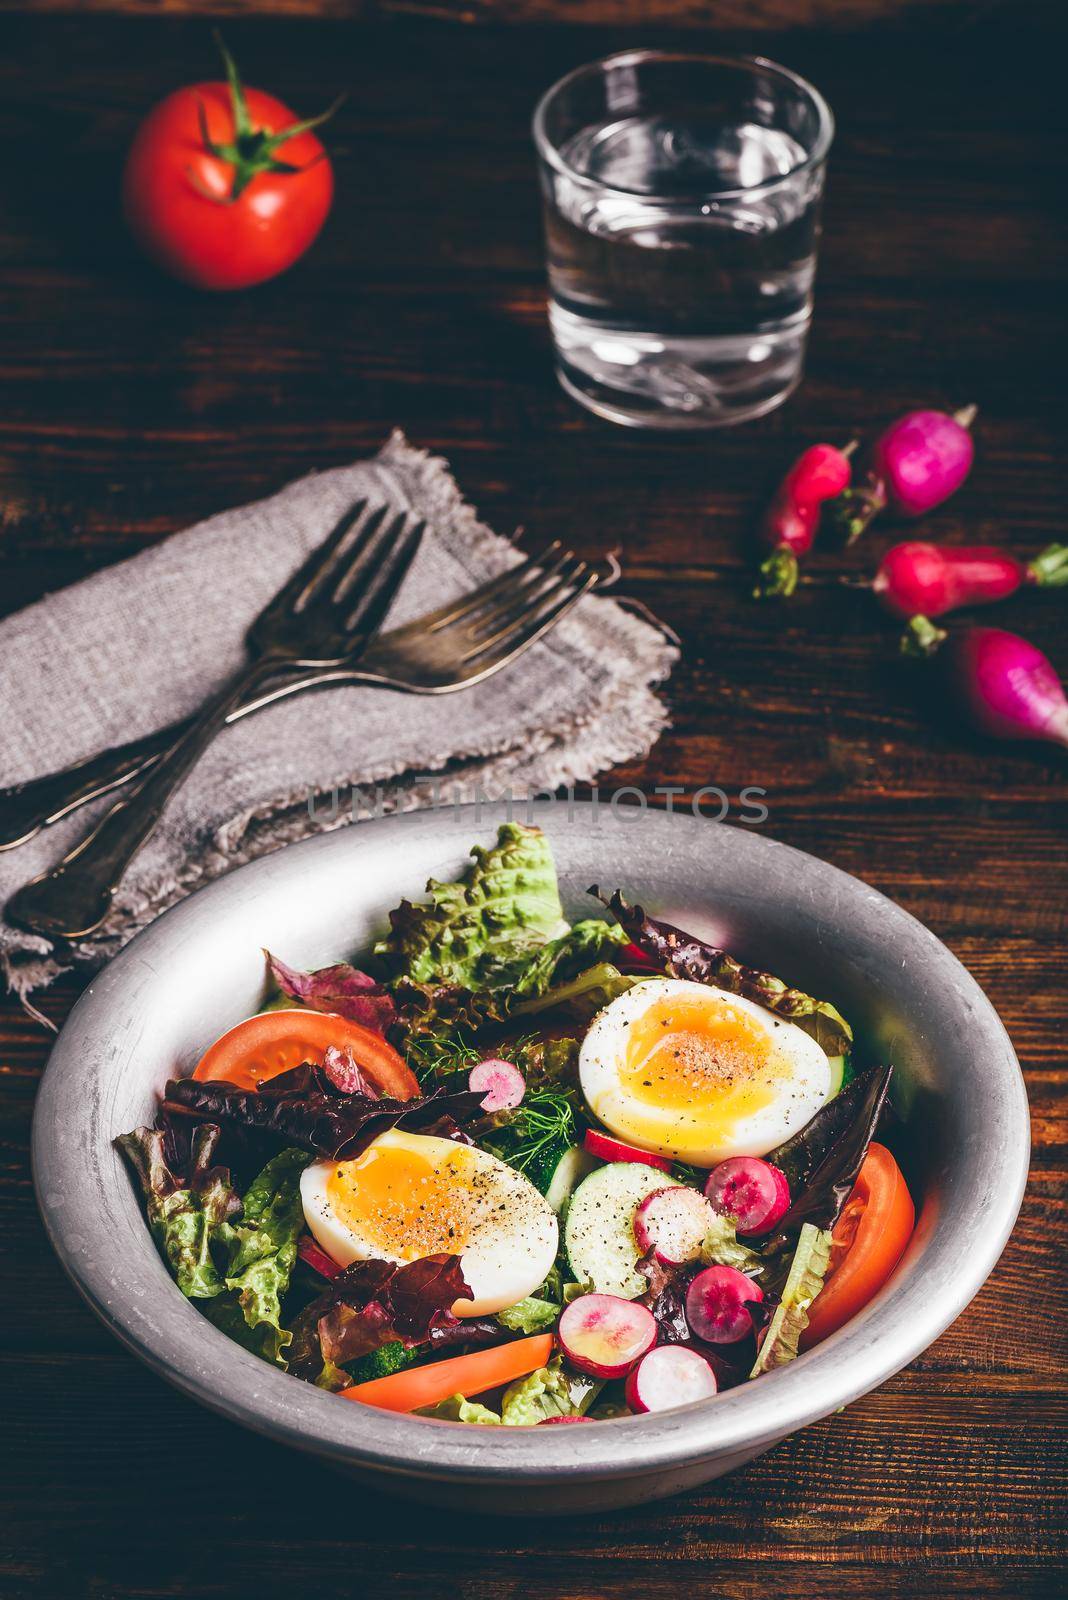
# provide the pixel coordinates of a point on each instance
(74, 898)
(26, 808)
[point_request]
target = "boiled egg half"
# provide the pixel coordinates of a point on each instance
(698, 1074)
(410, 1195)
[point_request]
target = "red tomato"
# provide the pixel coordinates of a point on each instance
(869, 1240)
(217, 194)
(276, 1041)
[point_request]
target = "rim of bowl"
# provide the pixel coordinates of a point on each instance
(199, 1360)
(550, 153)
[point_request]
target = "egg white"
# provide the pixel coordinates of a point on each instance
(794, 1077)
(504, 1231)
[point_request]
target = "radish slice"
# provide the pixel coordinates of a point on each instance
(504, 1084)
(606, 1149)
(604, 1335)
(669, 1376)
(717, 1305)
(547, 1422)
(752, 1191)
(673, 1222)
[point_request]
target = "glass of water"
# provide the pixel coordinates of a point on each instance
(682, 199)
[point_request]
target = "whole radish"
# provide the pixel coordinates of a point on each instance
(1005, 686)
(919, 461)
(790, 522)
(915, 578)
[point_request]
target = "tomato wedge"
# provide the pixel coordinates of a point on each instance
(869, 1240)
(275, 1041)
(466, 1375)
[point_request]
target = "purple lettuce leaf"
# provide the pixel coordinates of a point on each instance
(340, 989)
(822, 1162)
(373, 1303)
(304, 1107)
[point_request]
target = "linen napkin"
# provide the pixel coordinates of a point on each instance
(144, 642)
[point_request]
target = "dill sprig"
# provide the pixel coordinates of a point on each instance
(545, 1118)
(437, 1057)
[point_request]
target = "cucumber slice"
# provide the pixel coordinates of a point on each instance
(557, 1169)
(837, 1066)
(573, 1166)
(599, 1231)
(841, 1074)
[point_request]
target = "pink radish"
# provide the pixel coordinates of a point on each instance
(1005, 686)
(919, 461)
(547, 1422)
(717, 1305)
(669, 1376)
(604, 1335)
(606, 1149)
(504, 1084)
(917, 578)
(790, 523)
(674, 1223)
(752, 1191)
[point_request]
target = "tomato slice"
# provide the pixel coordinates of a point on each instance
(869, 1240)
(275, 1041)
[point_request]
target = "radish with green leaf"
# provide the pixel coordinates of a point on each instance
(789, 527)
(920, 579)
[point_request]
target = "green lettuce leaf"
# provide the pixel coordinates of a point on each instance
(548, 1392)
(723, 1248)
(457, 1409)
(258, 1255)
(529, 1316)
(184, 1212)
(478, 932)
(581, 997)
(584, 945)
(803, 1284)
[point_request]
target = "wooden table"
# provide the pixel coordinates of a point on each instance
(132, 407)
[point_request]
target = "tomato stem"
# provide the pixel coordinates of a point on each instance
(252, 150)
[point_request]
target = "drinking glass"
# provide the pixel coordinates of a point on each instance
(681, 201)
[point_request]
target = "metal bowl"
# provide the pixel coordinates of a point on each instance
(199, 969)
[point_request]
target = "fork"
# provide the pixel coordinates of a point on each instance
(322, 617)
(400, 659)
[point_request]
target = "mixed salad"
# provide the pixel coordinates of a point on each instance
(521, 1172)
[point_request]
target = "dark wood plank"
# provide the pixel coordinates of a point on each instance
(760, 14)
(132, 407)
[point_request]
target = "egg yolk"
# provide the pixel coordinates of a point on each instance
(711, 1064)
(403, 1205)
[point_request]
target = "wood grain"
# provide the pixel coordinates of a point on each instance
(132, 407)
(765, 15)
